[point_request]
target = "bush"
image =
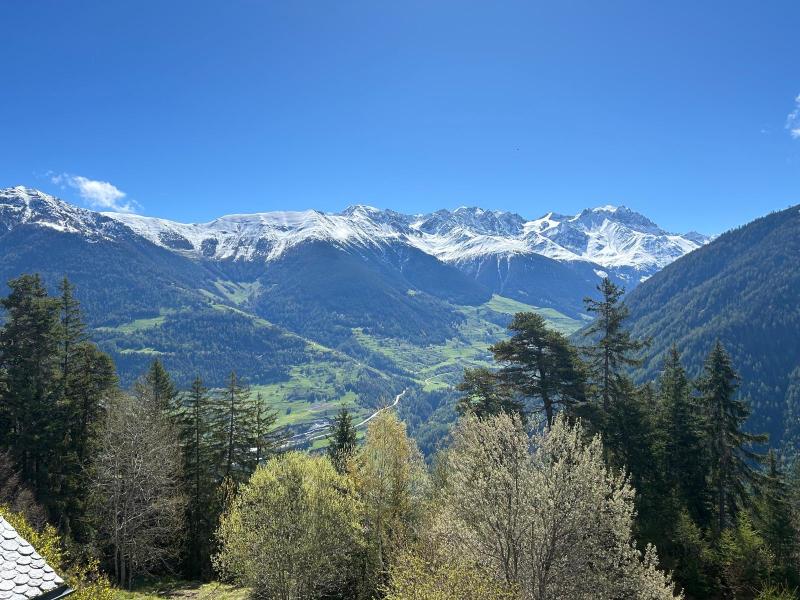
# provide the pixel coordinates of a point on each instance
(291, 529)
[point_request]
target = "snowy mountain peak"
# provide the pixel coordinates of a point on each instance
(607, 236)
(21, 205)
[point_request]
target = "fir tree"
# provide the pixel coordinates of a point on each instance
(685, 461)
(776, 521)
(732, 457)
(73, 331)
(158, 387)
(234, 431)
(613, 348)
(29, 366)
(539, 363)
(198, 470)
(342, 440)
(265, 436)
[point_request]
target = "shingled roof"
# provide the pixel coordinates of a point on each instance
(24, 574)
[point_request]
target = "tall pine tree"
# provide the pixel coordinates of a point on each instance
(540, 364)
(265, 437)
(682, 425)
(732, 457)
(29, 343)
(234, 431)
(342, 440)
(613, 349)
(158, 388)
(195, 422)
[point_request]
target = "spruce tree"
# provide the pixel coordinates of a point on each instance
(157, 386)
(613, 349)
(199, 472)
(234, 431)
(539, 363)
(342, 440)
(29, 365)
(72, 334)
(732, 457)
(264, 434)
(776, 521)
(682, 425)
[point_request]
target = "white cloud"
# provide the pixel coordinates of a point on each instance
(99, 194)
(793, 120)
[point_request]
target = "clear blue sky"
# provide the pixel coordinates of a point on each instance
(195, 109)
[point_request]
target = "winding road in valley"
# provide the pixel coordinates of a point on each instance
(310, 436)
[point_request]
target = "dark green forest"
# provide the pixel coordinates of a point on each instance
(741, 289)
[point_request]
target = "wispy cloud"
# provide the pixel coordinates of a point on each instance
(99, 194)
(793, 120)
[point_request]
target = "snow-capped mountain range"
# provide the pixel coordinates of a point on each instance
(607, 236)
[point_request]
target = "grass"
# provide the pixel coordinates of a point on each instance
(559, 321)
(139, 324)
(182, 590)
(238, 293)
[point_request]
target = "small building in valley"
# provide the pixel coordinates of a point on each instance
(24, 574)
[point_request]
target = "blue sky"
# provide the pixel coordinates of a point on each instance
(682, 110)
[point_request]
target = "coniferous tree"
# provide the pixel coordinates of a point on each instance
(198, 470)
(539, 363)
(791, 424)
(484, 395)
(613, 347)
(29, 366)
(54, 384)
(264, 434)
(682, 425)
(73, 331)
(775, 519)
(158, 386)
(732, 457)
(342, 440)
(87, 378)
(234, 426)
(93, 380)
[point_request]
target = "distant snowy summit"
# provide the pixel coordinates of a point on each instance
(607, 236)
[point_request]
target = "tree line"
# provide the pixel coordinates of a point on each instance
(562, 478)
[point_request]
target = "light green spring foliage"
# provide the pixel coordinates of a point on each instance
(436, 577)
(745, 558)
(84, 578)
(391, 480)
(291, 529)
(545, 514)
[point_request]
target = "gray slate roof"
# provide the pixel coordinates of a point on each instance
(24, 574)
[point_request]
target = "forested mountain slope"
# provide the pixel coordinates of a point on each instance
(743, 289)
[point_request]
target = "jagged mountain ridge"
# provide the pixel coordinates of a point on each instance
(612, 237)
(608, 236)
(553, 261)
